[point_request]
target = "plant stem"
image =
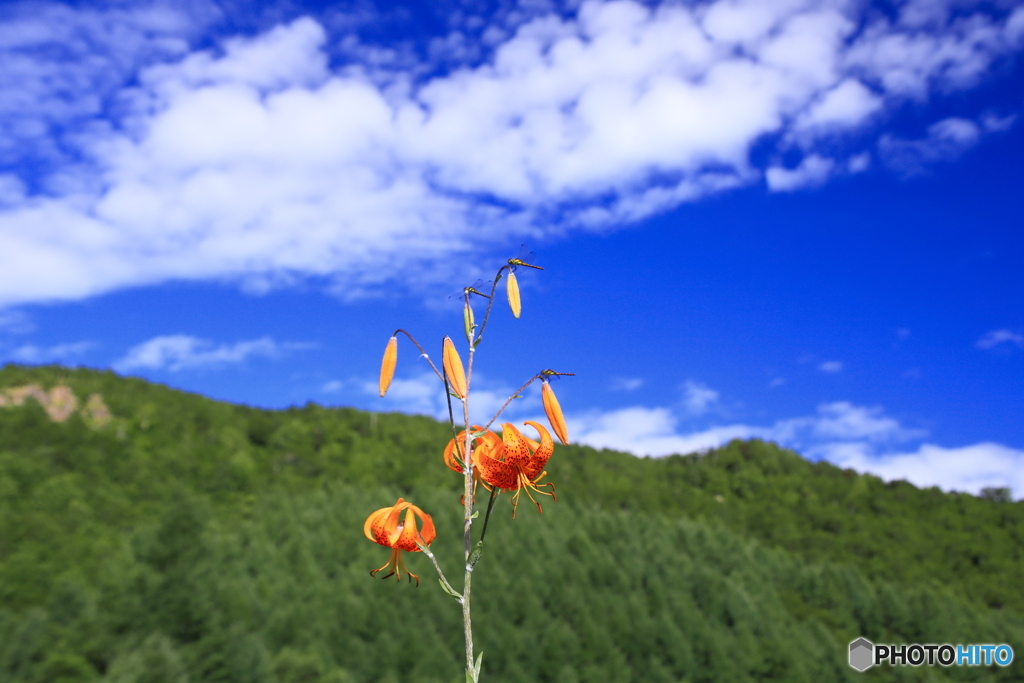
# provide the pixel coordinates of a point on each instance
(444, 579)
(490, 302)
(413, 340)
(487, 517)
(467, 469)
(511, 398)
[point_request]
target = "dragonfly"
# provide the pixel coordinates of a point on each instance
(551, 375)
(524, 258)
(478, 288)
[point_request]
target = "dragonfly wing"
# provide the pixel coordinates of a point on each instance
(481, 287)
(525, 255)
(523, 258)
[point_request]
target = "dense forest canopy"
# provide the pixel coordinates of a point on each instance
(148, 534)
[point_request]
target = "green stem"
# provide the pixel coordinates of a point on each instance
(467, 469)
(413, 340)
(511, 398)
(490, 302)
(487, 517)
(444, 580)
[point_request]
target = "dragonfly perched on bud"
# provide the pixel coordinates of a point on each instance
(551, 375)
(524, 258)
(551, 407)
(479, 288)
(462, 297)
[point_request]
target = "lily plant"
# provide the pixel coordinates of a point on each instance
(512, 462)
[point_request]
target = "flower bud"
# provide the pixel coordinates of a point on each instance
(512, 288)
(453, 369)
(467, 321)
(554, 412)
(387, 366)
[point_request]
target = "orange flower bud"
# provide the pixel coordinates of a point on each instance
(554, 412)
(512, 288)
(387, 366)
(453, 369)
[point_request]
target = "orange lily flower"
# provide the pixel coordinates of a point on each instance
(511, 462)
(489, 441)
(384, 527)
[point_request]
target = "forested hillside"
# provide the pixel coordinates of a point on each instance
(147, 534)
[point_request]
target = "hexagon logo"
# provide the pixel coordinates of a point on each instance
(862, 653)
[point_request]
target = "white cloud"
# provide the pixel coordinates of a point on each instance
(831, 367)
(260, 162)
(29, 353)
(843, 420)
(858, 437)
(859, 163)
(994, 123)
(946, 140)
(970, 468)
(698, 397)
(997, 337)
(846, 105)
(12, 189)
(626, 383)
(181, 352)
(814, 170)
(649, 431)
(423, 394)
(63, 65)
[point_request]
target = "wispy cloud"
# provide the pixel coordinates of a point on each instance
(63, 65)
(831, 367)
(997, 337)
(946, 140)
(261, 162)
(698, 398)
(29, 353)
(181, 352)
(813, 170)
(15, 322)
(843, 420)
(626, 383)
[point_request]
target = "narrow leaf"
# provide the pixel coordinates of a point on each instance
(449, 591)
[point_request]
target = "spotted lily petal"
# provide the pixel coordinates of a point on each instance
(517, 450)
(514, 462)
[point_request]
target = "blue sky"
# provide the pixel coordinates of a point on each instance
(797, 220)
